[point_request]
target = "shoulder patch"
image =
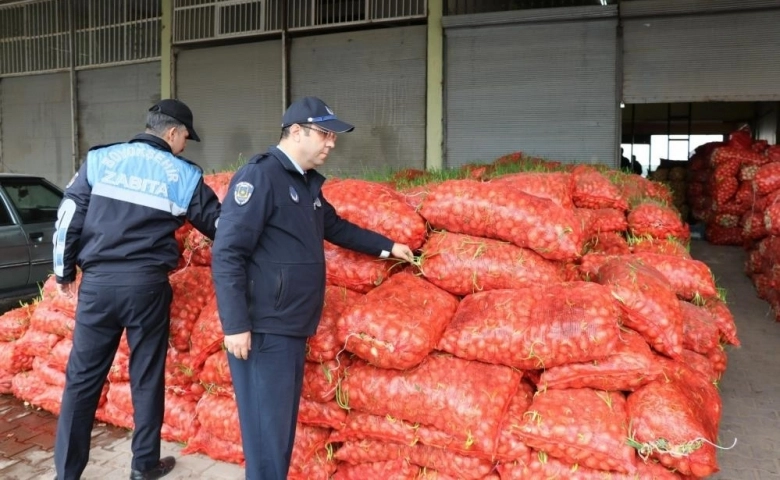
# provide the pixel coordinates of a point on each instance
(243, 192)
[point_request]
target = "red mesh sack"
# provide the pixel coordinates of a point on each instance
(688, 278)
(207, 336)
(207, 443)
(535, 327)
(607, 220)
(414, 196)
(462, 264)
(120, 367)
(718, 235)
(368, 451)
(354, 270)
(47, 373)
(360, 426)
(556, 187)
(192, 289)
(219, 183)
(700, 364)
(326, 415)
(59, 355)
(398, 469)
(504, 213)
(669, 422)
(655, 220)
(700, 332)
(179, 420)
(718, 360)
(36, 343)
(660, 245)
(631, 365)
(510, 446)
(543, 466)
(178, 369)
(215, 375)
(593, 190)
(320, 380)
(555, 424)
(12, 359)
(397, 324)
(753, 226)
(325, 345)
(767, 179)
(14, 323)
(218, 415)
(377, 208)
(650, 307)
(50, 294)
(610, 243)
(456, 396)
(48, 319)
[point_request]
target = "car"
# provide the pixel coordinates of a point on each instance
(28, 212)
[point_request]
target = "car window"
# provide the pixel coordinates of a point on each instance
(5, 215)
(35, 201)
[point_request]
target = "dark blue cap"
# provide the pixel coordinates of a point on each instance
(177, 110)
(314, 110)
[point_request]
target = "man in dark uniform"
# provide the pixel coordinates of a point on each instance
(117, 223)
(268, 265)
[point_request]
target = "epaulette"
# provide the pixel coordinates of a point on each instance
(259, 157)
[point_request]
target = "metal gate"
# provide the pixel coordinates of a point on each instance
(693, 51)
(538, 81)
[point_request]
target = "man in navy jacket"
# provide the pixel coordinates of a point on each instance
(117, 223)
(268, 264)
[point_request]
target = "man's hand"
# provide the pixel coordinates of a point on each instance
(239, 344)
(403, 252)
(67, 290)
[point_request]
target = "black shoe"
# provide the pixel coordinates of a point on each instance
(162, 469)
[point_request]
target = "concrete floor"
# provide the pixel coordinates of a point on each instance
(750, 389)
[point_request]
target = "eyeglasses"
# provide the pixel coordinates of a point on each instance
(328, 135)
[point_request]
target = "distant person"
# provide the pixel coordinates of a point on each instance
(625, 163)
(636, 167)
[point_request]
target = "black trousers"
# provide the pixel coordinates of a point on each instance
(268, 393)
(103, 312)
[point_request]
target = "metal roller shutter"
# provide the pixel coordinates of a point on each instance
(542, 82)
(113, 102)
(374, 80)
(694, 51)
(36, 126)
(235, 93)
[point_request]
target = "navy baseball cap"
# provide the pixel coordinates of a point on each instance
(314, 110)
(178, 110)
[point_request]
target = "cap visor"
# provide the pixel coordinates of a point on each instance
(336, 126)
(193, 136)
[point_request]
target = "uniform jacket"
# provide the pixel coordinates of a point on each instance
(268, 258)
(122, 208)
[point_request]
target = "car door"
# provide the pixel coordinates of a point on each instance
(14, 251)
(36, 202)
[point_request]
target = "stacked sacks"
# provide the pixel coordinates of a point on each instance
(547, 318)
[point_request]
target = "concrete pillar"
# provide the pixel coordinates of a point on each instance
(434, 123)
(167, 59)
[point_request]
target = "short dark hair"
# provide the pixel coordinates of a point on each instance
(157, 123)
(286, 130)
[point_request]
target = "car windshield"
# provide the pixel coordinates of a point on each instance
(35, 201)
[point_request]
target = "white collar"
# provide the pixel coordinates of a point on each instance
(297, 167)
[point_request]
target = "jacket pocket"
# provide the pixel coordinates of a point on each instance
(280, 287)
